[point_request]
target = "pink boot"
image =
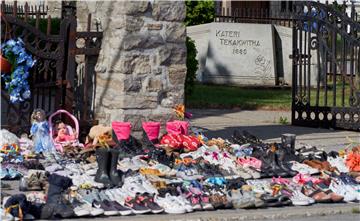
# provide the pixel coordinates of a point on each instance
(177, 127)
(184, 126)
(152, 130)
(173, 128)
(122, 130)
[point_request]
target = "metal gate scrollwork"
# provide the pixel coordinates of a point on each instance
(326, 67)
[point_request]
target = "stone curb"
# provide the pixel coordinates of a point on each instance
(258, 214)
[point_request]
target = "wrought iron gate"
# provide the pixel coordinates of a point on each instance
(326, 67)
(53, 80)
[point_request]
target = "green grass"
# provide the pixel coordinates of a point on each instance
(355, 210)
(217, 96)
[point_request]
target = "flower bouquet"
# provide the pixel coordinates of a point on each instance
(16, 80)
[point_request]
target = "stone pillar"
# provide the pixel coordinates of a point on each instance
(141, 69)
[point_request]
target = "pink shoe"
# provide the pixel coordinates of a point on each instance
(250, 161)
(122, 130)
(152, 130)
(304, 178)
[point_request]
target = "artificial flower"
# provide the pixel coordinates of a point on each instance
(17, 83)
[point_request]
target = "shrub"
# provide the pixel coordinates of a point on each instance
(192, 66)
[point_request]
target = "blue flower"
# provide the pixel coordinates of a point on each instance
(10, 43)
(16, 83)
(26, 94)
(30, 62)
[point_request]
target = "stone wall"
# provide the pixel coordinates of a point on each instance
(141, 69)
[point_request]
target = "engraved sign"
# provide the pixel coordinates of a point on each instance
(241, 54)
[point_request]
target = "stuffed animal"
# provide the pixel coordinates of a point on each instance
(97, 132)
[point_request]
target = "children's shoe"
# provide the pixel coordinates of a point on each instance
(149, 203)
(170, 205)
(136, 206)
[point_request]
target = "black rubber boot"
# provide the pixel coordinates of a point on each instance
(282, 161)
(115, 175)
(266, 168)
(288, 145)
(56, 206)
(147, 144)
(278, 171)
(102, 158)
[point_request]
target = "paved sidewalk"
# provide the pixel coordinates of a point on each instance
(265, 125)
(282, 213)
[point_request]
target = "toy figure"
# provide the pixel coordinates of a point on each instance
(63, 134)
(40, 132)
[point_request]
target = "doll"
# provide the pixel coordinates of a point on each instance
(63, 133)
(40, 132)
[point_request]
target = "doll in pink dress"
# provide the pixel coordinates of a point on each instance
(63, 134)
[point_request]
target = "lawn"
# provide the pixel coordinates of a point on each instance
(216, 96)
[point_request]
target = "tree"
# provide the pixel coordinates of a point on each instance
(199, 12)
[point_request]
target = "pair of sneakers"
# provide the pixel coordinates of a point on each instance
(137, 183)
(143, 203)
(134, 163)
(174, 204)
(198, 199)
(244, 199)
(100, 200)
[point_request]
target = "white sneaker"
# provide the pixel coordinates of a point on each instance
(302, 168)
(148, 186)
(170, 206)
(114, 196)
(138, 163)
(260, 186)
(126, 164)
(133, 188)
(195, 154)
(143, 182)
(343, 190)
(339, 163)
(85, 209)
(299, 199)
(183, 202)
